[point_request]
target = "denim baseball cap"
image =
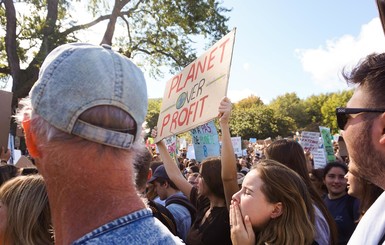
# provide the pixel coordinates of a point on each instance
(160, 172)
(78, 76)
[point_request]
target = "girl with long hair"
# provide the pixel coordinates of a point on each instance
(273, 207)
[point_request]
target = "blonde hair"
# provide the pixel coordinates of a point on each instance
(28, 213)
(281, 184)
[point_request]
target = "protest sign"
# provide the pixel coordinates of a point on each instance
(182, 143)
(5, 118)
(309, 140)
(205, 141)
(190, 152)
(171, 145)
(192, 97)
(253, 140)
(319, 158)
(237, 145)
(327, 142)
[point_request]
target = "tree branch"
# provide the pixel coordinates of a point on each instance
(162, 52)
(85, 26)
(10, 41)
(5, 70)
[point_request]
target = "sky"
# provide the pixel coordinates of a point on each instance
(299, 46)
(290, 46)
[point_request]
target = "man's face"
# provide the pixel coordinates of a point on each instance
(362, 135)
(160, 190)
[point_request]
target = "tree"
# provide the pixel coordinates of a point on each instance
(259, 122)
(289, 105)
(249, 102)
(153, 112)
(157, 32)
(313, 106)
(328, 110)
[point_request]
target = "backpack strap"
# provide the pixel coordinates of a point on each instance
(183, 201)
(163, 215)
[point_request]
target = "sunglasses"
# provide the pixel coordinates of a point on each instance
(343, 114)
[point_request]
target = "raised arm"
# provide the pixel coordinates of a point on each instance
(228, 160)
(172, 169)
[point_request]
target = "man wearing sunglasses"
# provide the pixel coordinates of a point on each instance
(363, 125)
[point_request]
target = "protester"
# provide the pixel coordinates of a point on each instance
(83, 131)
(291, 154)
(273, 207)
(193, 179)
(8, 172)
(363, 190)
(5, 154)
(244, 166)
(142, 174)
(363, 125)
(175, 201)
(344, 208)
(211, 198)
(317, 178)
(24, 212)
(190, 170)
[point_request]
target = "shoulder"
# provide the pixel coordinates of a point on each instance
(322, 231)
(136, 228)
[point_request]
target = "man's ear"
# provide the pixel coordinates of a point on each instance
(166, 184)
(381, 124)
(30, 141)
(277, 211)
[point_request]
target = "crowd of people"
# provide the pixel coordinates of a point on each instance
(96, 183)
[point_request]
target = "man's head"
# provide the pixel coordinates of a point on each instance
(142, 168)
(162, 183)
(364, 132)
(87, 97)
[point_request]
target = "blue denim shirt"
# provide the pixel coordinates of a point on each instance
(138, 228)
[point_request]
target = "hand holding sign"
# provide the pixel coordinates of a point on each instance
(154, 132)
(224, 110)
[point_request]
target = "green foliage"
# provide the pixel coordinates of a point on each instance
(313, 106)
(156, 33)
(249, 102)
(328, 109)
(259, 122)
(289, 105)
(153, 112)
(250, 118)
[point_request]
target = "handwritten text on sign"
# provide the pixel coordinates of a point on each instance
(205, 140)
(309, 140)
(192, 97)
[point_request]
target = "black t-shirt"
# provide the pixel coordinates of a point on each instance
(345, 211)
(215, 229)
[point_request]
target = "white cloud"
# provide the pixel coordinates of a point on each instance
(237, 95)
(326, 62)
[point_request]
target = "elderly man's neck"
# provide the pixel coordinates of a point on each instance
(86, 195)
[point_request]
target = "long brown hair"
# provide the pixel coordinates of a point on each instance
(291, 154)
(211, 174)
(281, 184)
